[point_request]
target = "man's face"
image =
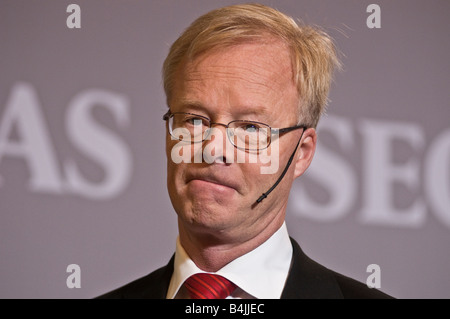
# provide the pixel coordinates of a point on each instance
(251, 81)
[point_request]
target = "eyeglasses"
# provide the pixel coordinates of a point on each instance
(244, 135)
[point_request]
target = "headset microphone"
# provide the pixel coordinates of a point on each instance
(264, 195)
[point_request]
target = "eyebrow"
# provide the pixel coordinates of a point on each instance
(243, 111)
(191, 105)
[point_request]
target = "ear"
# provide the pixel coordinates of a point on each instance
(305, 152)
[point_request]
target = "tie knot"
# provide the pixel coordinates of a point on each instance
(209, 286)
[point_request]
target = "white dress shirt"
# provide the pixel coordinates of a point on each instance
(261, 273)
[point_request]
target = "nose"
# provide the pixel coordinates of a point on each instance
(217, 148)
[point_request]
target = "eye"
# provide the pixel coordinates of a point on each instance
(250, 127)
(195, 121)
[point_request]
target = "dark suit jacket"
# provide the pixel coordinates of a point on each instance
(306, 280)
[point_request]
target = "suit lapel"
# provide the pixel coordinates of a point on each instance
(308, 279)
(152, 286)
(160, 281)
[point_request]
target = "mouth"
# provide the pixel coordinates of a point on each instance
(213, 181)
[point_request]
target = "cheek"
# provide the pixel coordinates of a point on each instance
(265, 163)
(174, 173)
(175, 185)
(174, 170)
(253, 178)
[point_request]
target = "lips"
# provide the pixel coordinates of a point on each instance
(215, 179)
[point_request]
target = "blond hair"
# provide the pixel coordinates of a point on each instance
(313, 54)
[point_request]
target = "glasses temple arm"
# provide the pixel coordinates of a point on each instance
(287, 129)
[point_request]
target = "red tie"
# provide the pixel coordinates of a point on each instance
(209, 286)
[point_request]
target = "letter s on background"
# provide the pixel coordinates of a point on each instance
(100, 144)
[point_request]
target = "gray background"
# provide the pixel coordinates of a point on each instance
(377, 193)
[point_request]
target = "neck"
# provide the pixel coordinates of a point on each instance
(212, 250)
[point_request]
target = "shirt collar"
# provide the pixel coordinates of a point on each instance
(261, 272)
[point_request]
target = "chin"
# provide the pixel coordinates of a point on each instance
(210, 218)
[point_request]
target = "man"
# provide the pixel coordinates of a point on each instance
(245, 87)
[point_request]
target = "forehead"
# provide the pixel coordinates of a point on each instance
(248, 75)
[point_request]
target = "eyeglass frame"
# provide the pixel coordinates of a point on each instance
(273, 131)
